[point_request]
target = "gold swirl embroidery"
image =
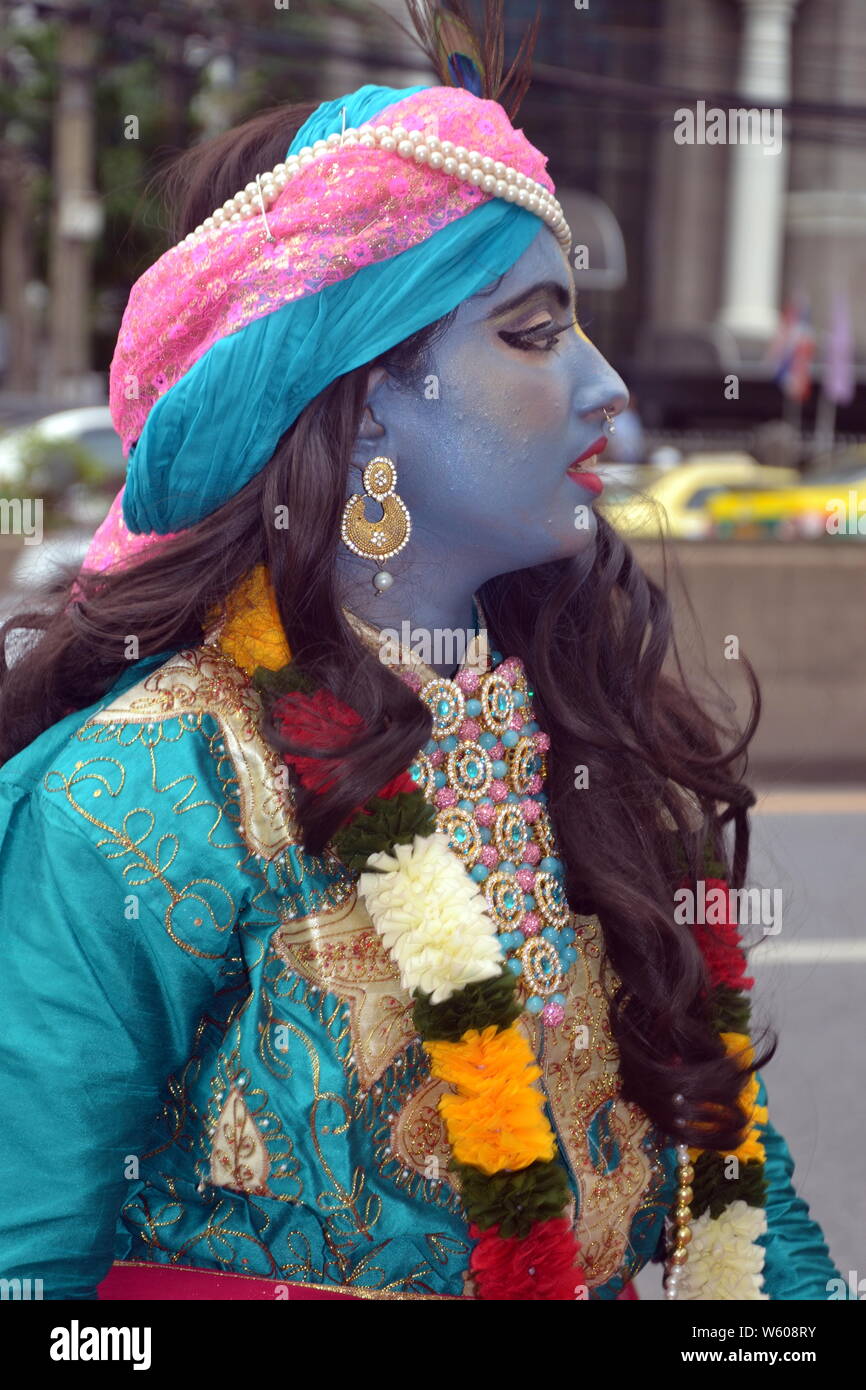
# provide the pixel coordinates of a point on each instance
(239, 1157)
(204, 681)
(580, 1075)
(340, 953)
(257, 1148)
(199, 909)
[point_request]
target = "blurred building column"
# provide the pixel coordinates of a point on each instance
(756, 210)
(360, 49)
(77, 213)
(826, 222)
(17, 241)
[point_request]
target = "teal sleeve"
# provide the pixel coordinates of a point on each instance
(100, 995)
(797, 1263)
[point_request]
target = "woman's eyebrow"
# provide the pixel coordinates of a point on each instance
(545, 289)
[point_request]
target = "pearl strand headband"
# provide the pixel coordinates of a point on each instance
(468, 166)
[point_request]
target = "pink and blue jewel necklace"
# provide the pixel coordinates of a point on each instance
(484, 768)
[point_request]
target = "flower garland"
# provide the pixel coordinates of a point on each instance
(724, 1192)
(432, 918)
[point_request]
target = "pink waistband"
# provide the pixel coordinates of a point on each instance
(145, 1282)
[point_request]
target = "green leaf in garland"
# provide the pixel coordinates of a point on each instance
(714, 868)
(272, 684)
(515, 1201)
(479, 1005)
(714, 1191)
(730, 1010)
(392, 820)
(711, 867)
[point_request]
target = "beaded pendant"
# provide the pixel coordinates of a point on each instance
(484, 770)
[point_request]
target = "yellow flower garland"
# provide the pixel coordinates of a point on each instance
(496, 1120)
(737, 1045)
(252, 634)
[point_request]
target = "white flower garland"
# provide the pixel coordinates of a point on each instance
(725, 1261)
(431, 916)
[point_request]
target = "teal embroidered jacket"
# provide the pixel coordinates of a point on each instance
(207, 1059)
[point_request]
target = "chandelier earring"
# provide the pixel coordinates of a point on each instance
(382, 539)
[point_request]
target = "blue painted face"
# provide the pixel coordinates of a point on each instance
(511, 395)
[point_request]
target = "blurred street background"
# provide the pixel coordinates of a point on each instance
(710, 156)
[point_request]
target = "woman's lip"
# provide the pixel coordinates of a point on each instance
(594, 449)
(591, 481)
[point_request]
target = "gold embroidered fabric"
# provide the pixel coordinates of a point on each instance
(301, 1138)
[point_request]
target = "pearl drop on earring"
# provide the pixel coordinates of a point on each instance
(381, 581)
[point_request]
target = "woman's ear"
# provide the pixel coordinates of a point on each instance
(371, 426)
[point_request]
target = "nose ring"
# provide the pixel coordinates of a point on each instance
(608, 417)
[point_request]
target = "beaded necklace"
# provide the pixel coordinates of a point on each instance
(484, 767)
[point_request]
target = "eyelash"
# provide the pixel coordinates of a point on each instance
(545, 334)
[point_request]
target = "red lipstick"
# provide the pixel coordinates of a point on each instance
(591, 481)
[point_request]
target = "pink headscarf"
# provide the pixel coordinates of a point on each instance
(114, 545)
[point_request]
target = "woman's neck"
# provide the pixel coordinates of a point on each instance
(426, 608)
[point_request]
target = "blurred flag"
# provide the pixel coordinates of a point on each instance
(791, 351)
(838, 381)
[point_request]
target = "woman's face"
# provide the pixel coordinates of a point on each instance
(511, 395)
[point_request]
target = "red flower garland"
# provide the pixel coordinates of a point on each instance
(721, 945)
(319, 721)
(322, 722)
(539, 1265)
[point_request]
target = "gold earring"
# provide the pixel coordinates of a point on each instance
(377, 540)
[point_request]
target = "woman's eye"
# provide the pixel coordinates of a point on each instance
(542, 338)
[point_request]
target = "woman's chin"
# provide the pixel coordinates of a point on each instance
(561, 547)
(578, 539)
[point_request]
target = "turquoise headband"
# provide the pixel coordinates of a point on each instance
(219, 425)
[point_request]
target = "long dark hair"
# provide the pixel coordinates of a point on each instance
(593, 636)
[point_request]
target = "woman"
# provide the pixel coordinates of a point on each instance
(349, 960)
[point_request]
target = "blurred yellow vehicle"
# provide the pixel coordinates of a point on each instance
(832, 506)
(676, 501)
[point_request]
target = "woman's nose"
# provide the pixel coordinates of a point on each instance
(600, 389)
(606, 398)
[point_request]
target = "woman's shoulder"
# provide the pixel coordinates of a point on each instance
(177, 742)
